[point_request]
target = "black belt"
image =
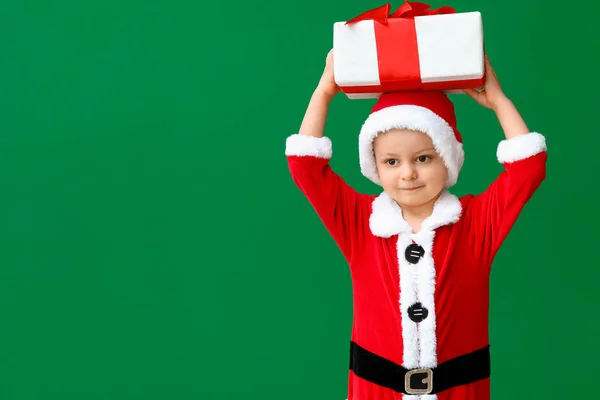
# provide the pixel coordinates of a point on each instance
(461, 370)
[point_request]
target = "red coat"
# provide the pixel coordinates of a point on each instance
(460, 240)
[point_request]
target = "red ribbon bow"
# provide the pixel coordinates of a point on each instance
(407, 10)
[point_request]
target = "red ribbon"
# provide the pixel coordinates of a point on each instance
(407, 10)
(397, 52)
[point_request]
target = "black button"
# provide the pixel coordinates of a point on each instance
(413, 253)
(417, 312)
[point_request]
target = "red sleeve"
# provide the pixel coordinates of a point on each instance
(494, 212)
(337, 204)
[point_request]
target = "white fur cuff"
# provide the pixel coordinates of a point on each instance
(520, 147)
(302, 145)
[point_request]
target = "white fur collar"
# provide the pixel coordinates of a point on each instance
(386, 218)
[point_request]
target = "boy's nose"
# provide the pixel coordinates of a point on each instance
(408, 173)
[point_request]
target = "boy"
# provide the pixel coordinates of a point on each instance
(419, 257)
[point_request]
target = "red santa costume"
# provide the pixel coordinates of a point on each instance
(420, 300)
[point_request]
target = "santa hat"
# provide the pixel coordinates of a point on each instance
(430, 112)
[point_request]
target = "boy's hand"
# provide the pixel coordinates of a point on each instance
(327, 84)
(492, 94)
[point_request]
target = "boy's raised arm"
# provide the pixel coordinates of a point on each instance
(315, 116)
(523, 155)
(308, 153)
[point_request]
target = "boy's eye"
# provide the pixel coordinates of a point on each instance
(423, 158)
(392, 162)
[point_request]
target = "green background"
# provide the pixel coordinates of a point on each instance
(153, 244)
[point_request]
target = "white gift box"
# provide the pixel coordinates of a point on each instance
(427, 52)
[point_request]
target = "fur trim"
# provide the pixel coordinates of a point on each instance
(302, 145)
(386, 216)
(417, 282)
(520, 147)
(425, 295)
(447, 210)
(408, 297)
(414, 118)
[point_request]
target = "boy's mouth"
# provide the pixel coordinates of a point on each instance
(412, 188)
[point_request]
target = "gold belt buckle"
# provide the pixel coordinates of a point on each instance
(427, 380)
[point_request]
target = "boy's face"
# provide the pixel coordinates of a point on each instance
(409, 168)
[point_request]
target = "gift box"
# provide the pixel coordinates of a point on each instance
(414, 48)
